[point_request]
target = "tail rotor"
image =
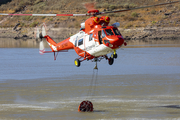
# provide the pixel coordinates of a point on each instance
(40, 34)
(44, 30)
(41, 47)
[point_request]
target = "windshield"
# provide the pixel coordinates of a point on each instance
(109, 32)
(116, 31)
(103, 34)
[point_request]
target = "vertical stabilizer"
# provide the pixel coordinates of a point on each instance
(52, 43)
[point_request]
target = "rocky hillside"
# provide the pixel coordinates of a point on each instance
(164, 16)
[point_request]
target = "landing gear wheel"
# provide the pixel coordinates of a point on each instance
(77, 62)
(111, 61)
(115, 56)
(85, 106)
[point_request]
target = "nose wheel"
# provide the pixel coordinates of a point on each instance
(111, 61)
(114, 55)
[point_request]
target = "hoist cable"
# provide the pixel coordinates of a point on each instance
(92, 87)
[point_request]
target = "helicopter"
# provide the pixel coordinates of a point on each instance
(95, 39)
(93, 42)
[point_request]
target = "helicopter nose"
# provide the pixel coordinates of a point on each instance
(117, 42)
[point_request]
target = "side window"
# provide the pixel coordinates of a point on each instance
(76, 43)
(90, 37)
(80, 42)
(103, 34)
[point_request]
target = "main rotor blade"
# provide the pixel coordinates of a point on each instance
(89, 14)
(137, 8)
(45, 14)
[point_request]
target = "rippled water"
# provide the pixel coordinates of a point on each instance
(143, 83)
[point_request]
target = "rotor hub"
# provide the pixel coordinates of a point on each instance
(93, 11)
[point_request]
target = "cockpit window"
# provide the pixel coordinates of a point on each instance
(109, 32)
(116, 31)
(103, 34)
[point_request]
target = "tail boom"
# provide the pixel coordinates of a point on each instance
(63, 45)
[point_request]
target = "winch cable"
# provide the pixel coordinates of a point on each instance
(95, 85)
(92, 87)
(87, 106)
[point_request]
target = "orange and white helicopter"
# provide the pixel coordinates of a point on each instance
(95, 39)
(93, 42)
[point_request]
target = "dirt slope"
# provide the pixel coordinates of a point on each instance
(164, 16)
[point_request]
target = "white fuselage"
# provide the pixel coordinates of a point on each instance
(89, 44)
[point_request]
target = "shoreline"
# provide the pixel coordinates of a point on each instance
(148, 33)
(33, 43)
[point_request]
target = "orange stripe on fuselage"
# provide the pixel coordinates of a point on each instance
(83, 53)
(63, 45)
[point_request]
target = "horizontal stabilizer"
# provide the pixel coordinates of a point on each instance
(58, 51)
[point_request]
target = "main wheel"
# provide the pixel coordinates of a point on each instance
(111, 61)
(77, 62)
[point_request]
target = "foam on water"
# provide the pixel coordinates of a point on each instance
(10, 107)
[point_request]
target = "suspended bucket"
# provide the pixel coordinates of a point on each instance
(85, 106)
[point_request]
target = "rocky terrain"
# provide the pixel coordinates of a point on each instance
(154, 23)
(148, 33)
(152, 33)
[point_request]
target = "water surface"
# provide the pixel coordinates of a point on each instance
(143, 83)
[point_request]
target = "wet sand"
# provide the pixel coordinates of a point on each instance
(116, 97)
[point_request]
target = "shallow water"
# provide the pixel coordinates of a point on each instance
(143, 83)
